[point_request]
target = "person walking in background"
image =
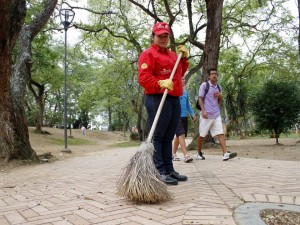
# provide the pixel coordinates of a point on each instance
(182, 128)
(210, 99)
(83, 129)
(155, 65)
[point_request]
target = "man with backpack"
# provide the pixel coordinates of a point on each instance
(210, 99)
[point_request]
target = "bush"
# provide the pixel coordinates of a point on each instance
(134, 136)
(276, 107)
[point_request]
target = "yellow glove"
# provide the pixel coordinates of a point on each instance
(183, 49)
(166, 84)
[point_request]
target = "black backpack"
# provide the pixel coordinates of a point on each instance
(206, 90)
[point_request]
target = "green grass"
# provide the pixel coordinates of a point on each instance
(126, 144)
(71, 141)
(266, 136)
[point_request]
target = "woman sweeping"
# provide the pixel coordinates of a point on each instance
(154, 68)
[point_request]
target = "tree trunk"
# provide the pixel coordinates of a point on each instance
(14, 138)
(213, 34)
(211, 49)
(110, 128)
(39, 99)
(14, 141)
(194, 143)
(298, 29)
(141, 122)
(40, 114)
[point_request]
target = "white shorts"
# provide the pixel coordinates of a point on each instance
(213, 125)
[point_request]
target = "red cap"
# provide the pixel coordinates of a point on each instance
(161, 28)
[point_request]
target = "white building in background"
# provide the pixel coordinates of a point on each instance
(99, 122)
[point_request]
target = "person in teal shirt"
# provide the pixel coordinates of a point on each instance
(182, 127)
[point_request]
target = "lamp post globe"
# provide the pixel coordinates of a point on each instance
(66, 16)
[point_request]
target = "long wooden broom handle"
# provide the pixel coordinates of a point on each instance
(162, 101)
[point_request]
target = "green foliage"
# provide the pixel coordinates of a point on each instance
(31, 117)
(235, 83)
(53, 117)
(106, 59)
(254, 50)
(277, 106)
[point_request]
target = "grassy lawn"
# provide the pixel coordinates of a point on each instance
(71, 141)
(126, 144)
(233, 136)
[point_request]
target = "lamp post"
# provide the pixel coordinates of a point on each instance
(66, 18)
(69, 72)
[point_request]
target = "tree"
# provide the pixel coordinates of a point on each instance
(277, 106)
(22, 68)
(210, 55)
(135, 33)
(12, 15)
(14, 141)
(45, 71)
(213, 35)
(299, 29)
(246, 62)
(120, 35)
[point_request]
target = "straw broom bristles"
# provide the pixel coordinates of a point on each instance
(140, 180)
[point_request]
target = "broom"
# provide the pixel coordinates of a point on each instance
(140, 181)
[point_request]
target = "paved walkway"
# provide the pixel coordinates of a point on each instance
(81, 191)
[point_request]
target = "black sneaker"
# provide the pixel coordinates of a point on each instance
(168, 179)
(178, 177)
(200, 156)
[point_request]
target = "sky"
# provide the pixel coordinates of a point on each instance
(82, 15)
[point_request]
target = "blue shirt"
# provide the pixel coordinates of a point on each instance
(185, 105)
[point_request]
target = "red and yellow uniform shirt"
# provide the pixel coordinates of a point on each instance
(157, 64)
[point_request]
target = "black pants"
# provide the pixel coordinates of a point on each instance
(165, 130)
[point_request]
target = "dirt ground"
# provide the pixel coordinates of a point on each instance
(50, 146)
(264, 148)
